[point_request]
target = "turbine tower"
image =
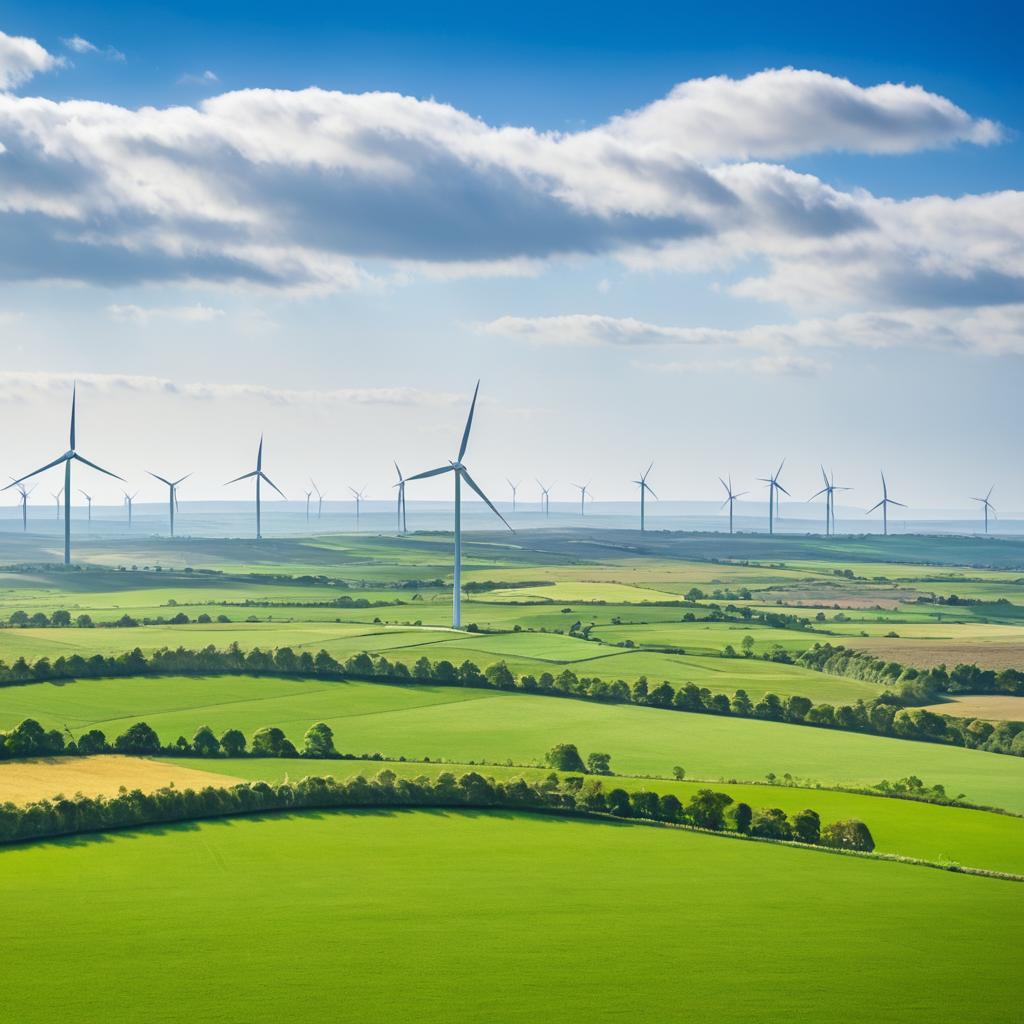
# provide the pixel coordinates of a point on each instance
(128, 500)
(172, 497)
(987, 505)
(829, 490)
(515, 487)
(88, 498)
(773, 500)
(545, 499)
(730, 498)
(319, 499)
(71, 455)
(56, 497)
(644, 488)
(401, 501)
(458, 469)
(259, 476)
(309, 497)
(884, 506)
(359, 496)
(23, 494)
(584, 490)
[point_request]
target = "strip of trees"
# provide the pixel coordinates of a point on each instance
(67, 816)
(884, 715)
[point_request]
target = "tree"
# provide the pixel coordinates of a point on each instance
(138, 739)
(747, 643)
(28, 739)
(205, 743)
(233, 743)
(84, 622)
(742, 815)
(679, 772)
(319, 741)
(807, 826)
(269, 742)
(60, 618)
(617, 802)
(92, 742)
(599, 764)
(848, 835)
(565, 758)
(669, 808)
(18, 618)
(771, 823)
(707, 809)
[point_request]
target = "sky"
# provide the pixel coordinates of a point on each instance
(711, 239)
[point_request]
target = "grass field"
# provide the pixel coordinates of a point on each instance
(466, 724)
(995, 709)
(427, 916)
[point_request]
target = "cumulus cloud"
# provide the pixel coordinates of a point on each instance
(988, 330)
(18, 386)
(205, 78)
(76, 44)
(321, 190)
(21, 59)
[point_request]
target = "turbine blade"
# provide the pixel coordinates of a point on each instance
(824, 490)
(98, 468)
(74, 395)
(469, 424)
(430, 472)
(244, 476)
(259, 454)
(874, 507)
(900, 503)
(651, 490)
(182, 479)
(272, 484)
(36, 472)
(472, 483)
(156, 476)
(783, 489)
(398, 471)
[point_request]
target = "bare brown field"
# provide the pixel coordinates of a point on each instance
(995, 709)
(929, 653)
(40, 778)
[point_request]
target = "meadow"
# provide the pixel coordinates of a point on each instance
(493, 913)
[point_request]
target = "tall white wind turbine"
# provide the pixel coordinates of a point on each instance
(458, 469)
(172, 493)
(774, 487)
(402, 528)
(71, 455)
(644, 488)
(987, 505)
(359, 496)
(730, 498)
(259, 476)
(584, 490)
(129, 500)
(884, 506)
(23, 494)
(545, 498)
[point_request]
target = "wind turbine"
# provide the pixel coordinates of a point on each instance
(259, 475)
(25, 505)
(128, 500)
(401, 500)
(644, 488)
(583, 488)
(829, 491)
(309, 495)
(319, 499)
(884, 506)
(773, 501)
(67, 458)
(172, 497)
(730, 498)
(515, 487)
(359, 496)
(987, 505)
(545, 498)
(88, 498)
(56, 497)
(457, 467)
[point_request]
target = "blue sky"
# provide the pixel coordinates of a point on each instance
(793, 265)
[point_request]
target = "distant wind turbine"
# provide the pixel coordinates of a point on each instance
(319, 500)
(884, 506)
(730, 498)
(24, 497)
(56, 497)
(987, 505)
(88, 498)
(67, 458)
(644, 488)
(359, 496)
(401, 500)
(545, 498)
(773, 500)
(458, 469)
(172, 496)
(309, 497)
(515, 488)
(829, 490)
(259, 476)
(584, 490)
(129, 499)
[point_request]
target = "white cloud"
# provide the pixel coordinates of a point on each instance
(82, 46)
(146, 314)
(19, 386)
(21, 59)
(993, 330)
(308, 190)
(205, 78)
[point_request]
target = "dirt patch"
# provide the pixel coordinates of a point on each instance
(929, 653)
(995, 709)
(44, 777)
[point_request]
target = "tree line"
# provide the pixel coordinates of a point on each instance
(67, 816)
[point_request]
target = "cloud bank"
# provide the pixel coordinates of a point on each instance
(322, 190)
(21, 59)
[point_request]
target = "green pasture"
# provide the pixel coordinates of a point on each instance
(979, 839)
(463, 724)
(407, 915)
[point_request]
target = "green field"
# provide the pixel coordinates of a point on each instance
(464, 724)
(419, 916)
